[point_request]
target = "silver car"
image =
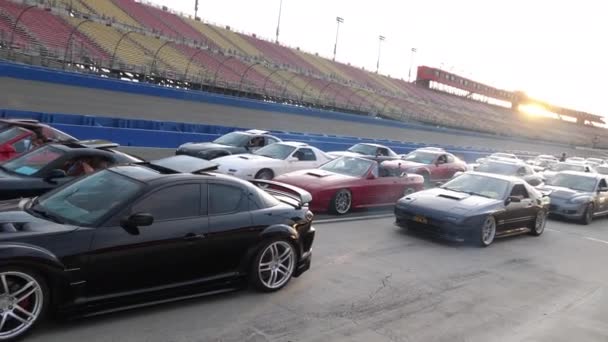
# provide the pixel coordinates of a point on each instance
(580, 196)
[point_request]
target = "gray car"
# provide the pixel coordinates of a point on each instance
(580, 196)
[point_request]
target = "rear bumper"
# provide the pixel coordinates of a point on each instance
(435, 227)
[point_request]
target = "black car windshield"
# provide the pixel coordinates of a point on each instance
(567, 167)
(275, 151)
(349, 166)
(89, 199)
(32, 162)
(574, 182)
(364, 149)
(602, 170)
(499, 168)
(236, 139)
(11, 133)
(479, 185)
(421, 157)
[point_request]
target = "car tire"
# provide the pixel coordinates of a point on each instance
(265, 174)
(588, 214)
(538, 225)
(274, 265)
(342, 202)
(28, 298)
(486, 232)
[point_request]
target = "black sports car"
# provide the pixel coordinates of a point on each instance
(231, 143)
(51, 165)
(142, 234)
(578, 195)
(475, 205)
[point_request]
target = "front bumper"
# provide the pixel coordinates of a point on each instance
(567, 210)
(306, 257)
(431, 225)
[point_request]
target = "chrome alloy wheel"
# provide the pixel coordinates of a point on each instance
(541, 221)
(21, 303)
(277, 264)
(343, 202)
(488, 231)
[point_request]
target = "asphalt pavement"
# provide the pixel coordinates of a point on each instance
(372, 281)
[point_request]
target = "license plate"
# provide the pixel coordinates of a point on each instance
(420, 219)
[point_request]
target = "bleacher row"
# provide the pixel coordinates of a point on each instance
(131, 36)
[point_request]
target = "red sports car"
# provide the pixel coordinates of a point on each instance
(354, 182)
(435, 165)
(20, 136)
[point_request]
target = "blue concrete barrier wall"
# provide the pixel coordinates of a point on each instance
(160, 134)
(42, 74)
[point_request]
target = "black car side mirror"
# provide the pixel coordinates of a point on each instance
(512, 199)
(133, 222)
(54, 174)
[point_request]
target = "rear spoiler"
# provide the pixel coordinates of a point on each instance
(545, 192)
(299, 195)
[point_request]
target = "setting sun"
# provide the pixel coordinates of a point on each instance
(534, 110)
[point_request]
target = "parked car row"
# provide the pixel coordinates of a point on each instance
(89, 228)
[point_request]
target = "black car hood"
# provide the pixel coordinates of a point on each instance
(16, 223)
(5, 176)
(452, 202)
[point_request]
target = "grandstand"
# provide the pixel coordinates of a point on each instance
(132, 40)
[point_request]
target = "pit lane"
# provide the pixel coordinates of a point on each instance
(372, 281)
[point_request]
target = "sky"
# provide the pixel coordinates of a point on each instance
(553, 50)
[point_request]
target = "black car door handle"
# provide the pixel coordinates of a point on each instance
(192, 237)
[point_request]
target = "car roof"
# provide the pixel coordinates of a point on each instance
(371, 144)
(582, 174)
(511, 179)
(294, 144)
(506, 161)
(431, 148)
(256, 132)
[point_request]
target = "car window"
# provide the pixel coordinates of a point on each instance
(23, 145)
(32, 162)
(11, 133)
(256, 142)
(171, 203)
(519, 190)
(442, 159)
(451, 158)
(224, 199)
(382, 152)
(603, 183)
(305, 154)
(271, 140)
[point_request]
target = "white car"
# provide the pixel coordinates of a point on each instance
(575, 160)
(273, 160)
(366, 149)
(498, 156)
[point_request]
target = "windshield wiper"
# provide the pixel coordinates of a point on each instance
(477, 194)
(47, 215)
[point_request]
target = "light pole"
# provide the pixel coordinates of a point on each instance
(338, 22)
(279, 21)
(380, 40)
(409, 74)
(195, 9)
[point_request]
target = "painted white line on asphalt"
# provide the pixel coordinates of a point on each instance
(596, 240)
(346, 219)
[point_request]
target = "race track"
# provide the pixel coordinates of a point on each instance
(372, 281)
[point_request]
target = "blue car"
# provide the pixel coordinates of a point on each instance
(579, 196)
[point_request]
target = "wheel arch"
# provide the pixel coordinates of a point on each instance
(271, 232)
(40, 261)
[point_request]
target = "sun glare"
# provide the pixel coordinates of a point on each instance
(534, 110)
